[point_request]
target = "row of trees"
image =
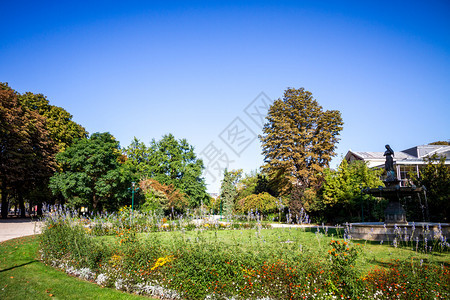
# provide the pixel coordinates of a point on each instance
(96, 173)
(45, 157)
(335, 197)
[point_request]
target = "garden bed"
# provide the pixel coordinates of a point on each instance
(210, 262)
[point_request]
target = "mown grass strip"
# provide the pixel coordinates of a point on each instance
(23, 276)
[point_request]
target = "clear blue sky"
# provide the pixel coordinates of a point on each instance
(147, 68)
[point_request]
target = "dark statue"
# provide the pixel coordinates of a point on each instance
(389, 164)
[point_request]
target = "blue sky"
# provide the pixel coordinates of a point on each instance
(148, 68)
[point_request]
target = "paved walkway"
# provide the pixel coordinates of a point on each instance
(13, 228)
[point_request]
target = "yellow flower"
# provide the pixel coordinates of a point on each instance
(162, 261)
(249, 272)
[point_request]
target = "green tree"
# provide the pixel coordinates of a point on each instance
(13, 141)
(247, 185)
(170, 162)
(298, 140)
(92, 175)
(435, 177)
(341, 191)
(62, 129)
(27, 151)
(228, 190)
(162, 198)
(262, 202)
(138, 155)
(253, 183)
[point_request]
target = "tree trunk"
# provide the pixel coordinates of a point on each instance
(21, 204)
(94, 204)
(5, 203)
(39, 209)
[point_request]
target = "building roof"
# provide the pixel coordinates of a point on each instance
(414, 155)
(428, 150)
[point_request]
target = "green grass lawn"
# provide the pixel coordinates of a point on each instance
(22, 276)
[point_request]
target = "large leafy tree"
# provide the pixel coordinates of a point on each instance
(435, 177)
(298, 140)
(92, 174)
(13, 140)
(170, 162)
(26, 149)
(62, 129)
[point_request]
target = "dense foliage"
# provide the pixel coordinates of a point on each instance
(92, 174)
(341, 194)
(299, 140)
(228, 190)
(61, 128)
(27, 151)
(171, 162)
(262, 202)
(435, 177)
(161, 198)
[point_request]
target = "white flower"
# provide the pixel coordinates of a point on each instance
(102, 279)
(119, 284)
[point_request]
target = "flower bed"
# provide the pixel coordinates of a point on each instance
(210, 262)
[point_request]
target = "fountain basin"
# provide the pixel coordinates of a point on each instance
(411, 231)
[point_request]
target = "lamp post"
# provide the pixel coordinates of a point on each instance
(133, 189)
(362, 205)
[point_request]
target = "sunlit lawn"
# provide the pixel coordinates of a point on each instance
(22, 276)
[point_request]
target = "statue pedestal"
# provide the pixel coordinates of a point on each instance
(391, 182)
(394, 214)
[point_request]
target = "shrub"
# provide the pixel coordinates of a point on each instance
(263, 202)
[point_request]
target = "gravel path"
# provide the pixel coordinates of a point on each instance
(13, 228)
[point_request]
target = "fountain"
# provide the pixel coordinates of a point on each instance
(395, 223)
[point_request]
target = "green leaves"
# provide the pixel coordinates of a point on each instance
(170, 162)
(26, 149)
(62, 130)
(435, 176)
(228, 191)
(263, 202)
(91, 173)
(342, 187)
